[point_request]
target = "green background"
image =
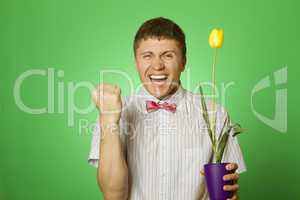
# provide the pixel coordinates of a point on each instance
(41, 157)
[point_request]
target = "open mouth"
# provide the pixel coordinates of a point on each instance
(158, 79)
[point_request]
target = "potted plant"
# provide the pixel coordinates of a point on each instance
(215, 170)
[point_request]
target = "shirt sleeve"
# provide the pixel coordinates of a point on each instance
(232, 151)
(93, 157)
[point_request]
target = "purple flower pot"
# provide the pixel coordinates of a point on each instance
(214, 173)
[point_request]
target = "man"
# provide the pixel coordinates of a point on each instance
(153, 144)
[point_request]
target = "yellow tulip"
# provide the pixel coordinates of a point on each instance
(216, 38)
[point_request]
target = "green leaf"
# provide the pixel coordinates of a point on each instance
(223, 128)
(222, 143)
(237, 129)
(205, 115)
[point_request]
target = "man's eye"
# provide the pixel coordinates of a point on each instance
(169, 56)
(146, 56)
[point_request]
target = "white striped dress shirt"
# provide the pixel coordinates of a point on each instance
(166, 151)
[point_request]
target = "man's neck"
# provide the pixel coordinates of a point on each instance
(172, 92)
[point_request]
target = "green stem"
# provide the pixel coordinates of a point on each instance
(213, 101)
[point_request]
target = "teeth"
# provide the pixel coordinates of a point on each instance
(158, 77)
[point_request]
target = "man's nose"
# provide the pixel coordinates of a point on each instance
(157, 64)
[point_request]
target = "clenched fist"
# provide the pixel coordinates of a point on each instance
(108, 101)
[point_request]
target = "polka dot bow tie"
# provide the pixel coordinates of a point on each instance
(153, 106)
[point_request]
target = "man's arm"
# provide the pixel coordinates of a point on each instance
(112, 172)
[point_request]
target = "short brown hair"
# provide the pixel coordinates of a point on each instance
(160, 28)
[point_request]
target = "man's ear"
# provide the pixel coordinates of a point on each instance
(135, 61)
(183, 64)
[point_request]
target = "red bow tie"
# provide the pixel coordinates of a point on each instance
(153, 106)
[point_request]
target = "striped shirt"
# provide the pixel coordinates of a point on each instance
(166, 151)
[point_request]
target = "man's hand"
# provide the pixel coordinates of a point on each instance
(232, 177)
(108, 101)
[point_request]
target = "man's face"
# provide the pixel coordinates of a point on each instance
(159, 63)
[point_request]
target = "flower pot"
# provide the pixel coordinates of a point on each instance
(214, 173)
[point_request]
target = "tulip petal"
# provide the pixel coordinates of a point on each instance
(216, 38)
